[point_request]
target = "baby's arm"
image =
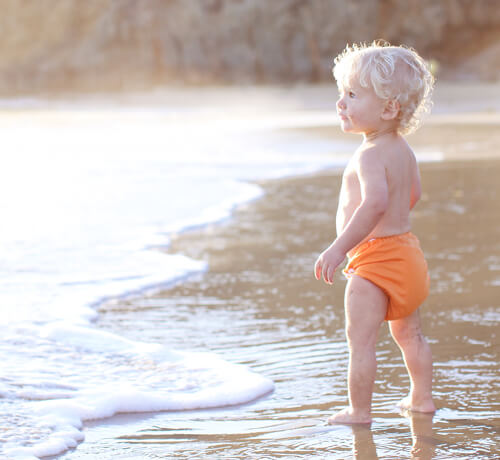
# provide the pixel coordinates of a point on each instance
(374, 201)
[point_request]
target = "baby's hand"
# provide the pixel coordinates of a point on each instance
(327, 263)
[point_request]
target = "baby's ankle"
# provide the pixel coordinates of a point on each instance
(350, 416)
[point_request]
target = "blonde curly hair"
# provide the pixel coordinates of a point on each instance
(395, 73)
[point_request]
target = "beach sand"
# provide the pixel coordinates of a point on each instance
(259, 305)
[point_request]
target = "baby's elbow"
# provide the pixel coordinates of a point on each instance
(415, 197)
(380, 207)
(374, 208)
(379, 204)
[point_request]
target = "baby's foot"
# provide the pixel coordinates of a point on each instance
(349, 417)
(424, 405)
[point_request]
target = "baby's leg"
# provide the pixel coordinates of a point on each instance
(417, 355)
(365, 309)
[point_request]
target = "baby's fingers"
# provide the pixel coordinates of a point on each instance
(327, 274)
(318, 269)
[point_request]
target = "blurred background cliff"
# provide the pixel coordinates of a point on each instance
(108, 45)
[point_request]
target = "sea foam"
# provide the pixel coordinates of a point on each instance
(89, 200)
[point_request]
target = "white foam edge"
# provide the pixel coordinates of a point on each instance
(67, 416)
(220, 212)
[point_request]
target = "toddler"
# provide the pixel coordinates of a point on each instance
(383, 92)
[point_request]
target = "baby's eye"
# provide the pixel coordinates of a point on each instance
(351, 94)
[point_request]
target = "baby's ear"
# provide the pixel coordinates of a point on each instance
(391, 110)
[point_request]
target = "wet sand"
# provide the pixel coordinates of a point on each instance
(260, 305)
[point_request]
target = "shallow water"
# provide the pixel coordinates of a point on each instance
(90, 194)
(259, 305)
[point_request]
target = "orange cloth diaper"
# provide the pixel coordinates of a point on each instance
(396, 265)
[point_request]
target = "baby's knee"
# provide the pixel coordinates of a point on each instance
(358, 338)
(407, 335)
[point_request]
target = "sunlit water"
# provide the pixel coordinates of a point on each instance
(91, 200)
(259, 306)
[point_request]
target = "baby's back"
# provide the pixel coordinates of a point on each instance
(389, 171)
(401, 173)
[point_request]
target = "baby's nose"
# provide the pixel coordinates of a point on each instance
(340, 103)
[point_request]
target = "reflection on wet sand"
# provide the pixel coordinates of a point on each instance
(259, 305)
(423, 443)
(363, 445)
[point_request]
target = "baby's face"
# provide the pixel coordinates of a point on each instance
(359, 108)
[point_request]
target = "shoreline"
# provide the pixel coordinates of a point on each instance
(239, 249)
(207, 232)
(449, 93)
(449, 98)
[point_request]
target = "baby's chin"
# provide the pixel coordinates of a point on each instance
(344, 125)
(347, 128)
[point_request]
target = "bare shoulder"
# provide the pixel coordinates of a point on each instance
(399, 161)
(400, 147)
(393, 151)
(370, 156)
(370, 164)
